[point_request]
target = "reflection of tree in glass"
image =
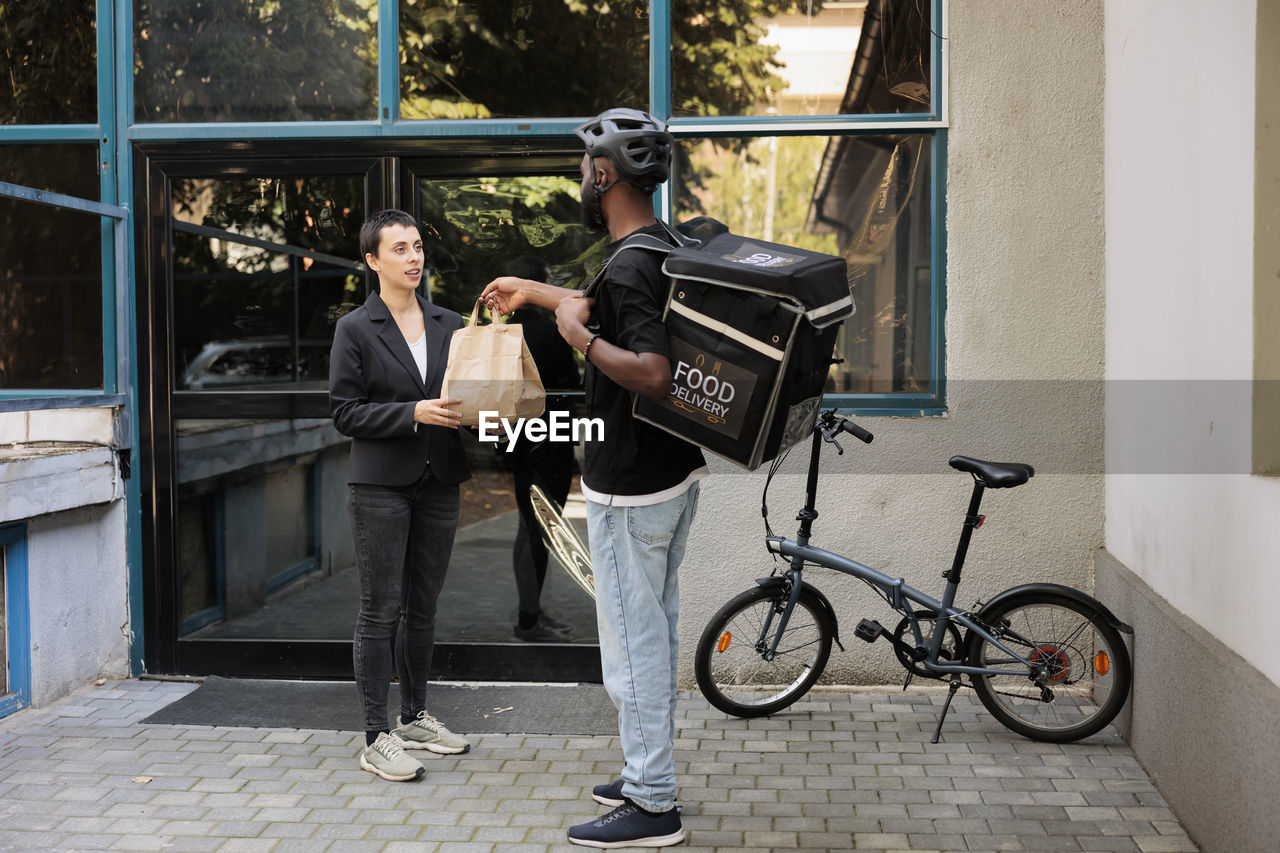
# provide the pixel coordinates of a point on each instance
(474, 227)
(719, 64)
(255, 60)
(50, 272)
(48, 50)
(461, 59)
(225, 290)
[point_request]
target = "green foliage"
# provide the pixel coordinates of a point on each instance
(255, 60)
(570, 58)
(478, 226)
(718, 64)
(522, 58)
(48, 53)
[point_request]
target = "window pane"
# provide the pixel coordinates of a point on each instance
(50, 272)
(523, 58)
(863, 197)
(481, 226)
(757, 57)
(262, 269)
(261, 526)
(49, 50)
(265, 549)
(237, 60)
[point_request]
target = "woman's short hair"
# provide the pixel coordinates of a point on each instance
(371, 230)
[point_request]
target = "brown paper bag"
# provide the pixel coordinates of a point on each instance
(491, 369)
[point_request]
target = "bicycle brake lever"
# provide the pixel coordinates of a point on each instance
(839, 449)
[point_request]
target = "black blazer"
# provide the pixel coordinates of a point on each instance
(374, 385)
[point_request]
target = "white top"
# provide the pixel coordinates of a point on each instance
(419, 350)
(645, 500)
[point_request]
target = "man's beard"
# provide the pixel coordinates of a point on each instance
(593, 213)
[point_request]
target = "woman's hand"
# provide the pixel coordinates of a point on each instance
(437, 413)
(504, 295)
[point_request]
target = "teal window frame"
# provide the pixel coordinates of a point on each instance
(17, 603)
(119, 345)
(116, 125)
(116, 238)
(115, 132)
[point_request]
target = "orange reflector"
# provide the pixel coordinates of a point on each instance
(1102, 663)
(725, 639)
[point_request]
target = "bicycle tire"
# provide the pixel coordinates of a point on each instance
(734, 676)
(1089, 673)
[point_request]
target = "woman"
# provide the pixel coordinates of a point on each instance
(385, 373)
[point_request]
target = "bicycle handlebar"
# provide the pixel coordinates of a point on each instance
(856, 431)
(830, 424)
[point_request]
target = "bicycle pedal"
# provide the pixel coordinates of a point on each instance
(869, 630)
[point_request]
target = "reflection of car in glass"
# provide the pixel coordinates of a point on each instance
(256, 361)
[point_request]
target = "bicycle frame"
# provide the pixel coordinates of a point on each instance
(895, 590)
(899, 594)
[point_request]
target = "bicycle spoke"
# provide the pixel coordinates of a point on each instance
(1063, 642)
(739, 670)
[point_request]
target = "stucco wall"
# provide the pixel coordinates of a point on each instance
(1181, 231)
(59, 475)
(78, 585)
(1024, 338)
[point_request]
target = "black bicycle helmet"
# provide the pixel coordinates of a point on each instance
(637, 144)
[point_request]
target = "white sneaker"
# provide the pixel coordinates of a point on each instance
(387, 758)
(426, 732)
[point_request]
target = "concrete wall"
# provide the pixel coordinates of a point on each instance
(59, 475)
(79, 588)
(1202, 721)
(1180, 273)
(1024, 337)
(1191, 223)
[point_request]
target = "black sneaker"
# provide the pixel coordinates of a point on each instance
(630, 826)
(608, 795)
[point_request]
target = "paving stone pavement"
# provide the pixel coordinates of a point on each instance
(840, 770)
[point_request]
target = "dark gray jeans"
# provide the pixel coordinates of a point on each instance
(403, 539)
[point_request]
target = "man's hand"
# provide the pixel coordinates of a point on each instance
(504, 294)
(437, 413)
(571, 319)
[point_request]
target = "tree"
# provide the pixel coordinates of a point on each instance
(48, 50)
(50, 322)
(50, 272)
(255, 60)
(465, 58)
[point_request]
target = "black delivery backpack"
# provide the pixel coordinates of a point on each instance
(753, 327)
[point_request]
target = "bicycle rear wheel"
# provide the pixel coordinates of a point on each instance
(1087, 668)
(730, 665)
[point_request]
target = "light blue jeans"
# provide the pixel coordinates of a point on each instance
(635, 555)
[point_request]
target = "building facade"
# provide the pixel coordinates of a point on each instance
(1061, 244)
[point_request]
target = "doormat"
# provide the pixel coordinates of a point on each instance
(335, 706)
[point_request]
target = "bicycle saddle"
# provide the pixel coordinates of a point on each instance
(995, 475)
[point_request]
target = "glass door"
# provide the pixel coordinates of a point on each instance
(249, 263)
(518, 216)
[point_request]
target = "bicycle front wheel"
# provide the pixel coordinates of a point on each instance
(730, 663)
(1086, 668)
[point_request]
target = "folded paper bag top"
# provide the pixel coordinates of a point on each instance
(490, 369)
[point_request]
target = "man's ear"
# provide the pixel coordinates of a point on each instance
(605, 172)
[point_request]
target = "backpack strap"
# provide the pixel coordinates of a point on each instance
(646, 242)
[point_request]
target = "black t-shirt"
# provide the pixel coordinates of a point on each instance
(635, 458)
